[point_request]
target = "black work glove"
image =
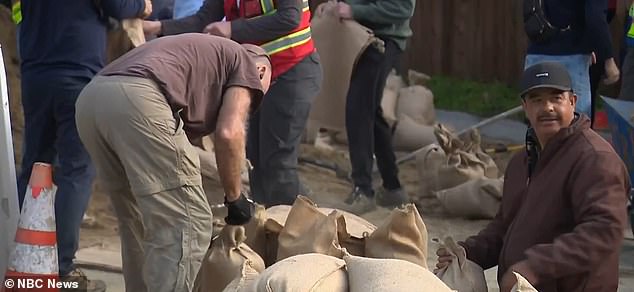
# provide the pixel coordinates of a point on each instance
(240, 211)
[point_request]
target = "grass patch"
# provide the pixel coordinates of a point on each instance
(481, 99)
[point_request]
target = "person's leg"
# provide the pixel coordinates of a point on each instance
(252, 153)
(73, 176)
(283, 116)
(578, 67)
(627, 76)
(111, 178)
(361, 106)
(596, 72)
(164, 173)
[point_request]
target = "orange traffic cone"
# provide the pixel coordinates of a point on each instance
(33, 264)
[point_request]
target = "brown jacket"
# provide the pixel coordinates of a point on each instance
(564, 229)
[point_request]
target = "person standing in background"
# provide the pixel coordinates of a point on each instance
(597, 70)
(627, 81)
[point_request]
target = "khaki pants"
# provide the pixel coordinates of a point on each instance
(151, 171)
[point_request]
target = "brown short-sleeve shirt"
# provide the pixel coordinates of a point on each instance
(193, 71)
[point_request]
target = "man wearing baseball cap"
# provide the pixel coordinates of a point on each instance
(563, 211)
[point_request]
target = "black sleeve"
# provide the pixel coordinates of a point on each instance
(597, 28)
(210, 11)
(122, 9)
(286, 18)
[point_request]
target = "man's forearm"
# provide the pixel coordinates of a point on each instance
(229, 139)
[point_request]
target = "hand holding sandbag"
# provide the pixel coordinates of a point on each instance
(460, 274)
(240, 211)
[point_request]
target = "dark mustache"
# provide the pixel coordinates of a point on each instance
(547, 116)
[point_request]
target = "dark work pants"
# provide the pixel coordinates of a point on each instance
(50, 136)
(275, 131)
(368, 132)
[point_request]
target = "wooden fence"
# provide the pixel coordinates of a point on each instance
(480, 40)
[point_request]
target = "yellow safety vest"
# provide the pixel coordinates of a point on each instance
(16, 12)
(630, 33)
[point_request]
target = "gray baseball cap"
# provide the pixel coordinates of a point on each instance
(545, 75)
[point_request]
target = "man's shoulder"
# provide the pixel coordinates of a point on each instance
(589, 141)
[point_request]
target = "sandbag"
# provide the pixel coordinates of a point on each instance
(417, 78)
(394, 82)
(304, 273)
(223, 261)
(475, 146)
(461, 165)
(255, 231)
(390, 275)
(522, 285)
(402, 236)
(351, 229)
(428, 161)
(134, 30)
(307, 230)
(245, 282)
(417, 102)
(340, 43)
(388, 105)
(410, 135)
(462, 274)
(475, 199)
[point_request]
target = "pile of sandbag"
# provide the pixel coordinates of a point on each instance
(461, 175)
(306, 248)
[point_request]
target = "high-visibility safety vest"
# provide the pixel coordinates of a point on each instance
(16, 12)
(286, 51)
(630, 32)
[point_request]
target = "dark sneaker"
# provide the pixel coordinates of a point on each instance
(392, 198)
(358, 202)
(84, 284)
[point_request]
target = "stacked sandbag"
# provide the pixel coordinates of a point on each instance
(402, 236)
(428, 161)
(390, 275)
(415, 119)
(244, 281)
(417, 78)
(410, 135)
(479, 198)
(462, 274)
(304, 273)
(224, 261)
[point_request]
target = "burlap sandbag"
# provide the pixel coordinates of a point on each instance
(417, 102)
(256, 231)
(475, 199)
(351, 229)
(223, 261)
(428, 161)
(417, 78)
(410, 135)
(402, 236)
(475, 146)
(394, 81)
(390, 275)
(462, 274)
(307, 230)
(245, 282)
(460, 165)
(134, 29)
(305, 273)
(340, 43)
(522, 285)
(388, 105)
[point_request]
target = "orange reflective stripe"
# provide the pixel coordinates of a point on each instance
(268, 6)
(34, 237)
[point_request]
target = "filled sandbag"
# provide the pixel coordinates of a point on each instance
(223, 261)
(255, 231)
(522, 285)
(390, 275)
(417, 102)
(417, 78)
(134, 30)
(475, 146)
(394, 82)
(307, 230)
(410, 135)
(340, 43)
(245, 282)
(428, 161)
(351, 229)
(462, 274)
(304, 273)
(475, 199)
(461, 165)
(388, 105)
(403, 235)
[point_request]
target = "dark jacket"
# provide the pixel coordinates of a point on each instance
(589, 31)
(564, 229)
(67, 38)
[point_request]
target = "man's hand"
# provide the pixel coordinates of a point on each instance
(343, 10)
(148, 9)
(219, 28)
(151, 28)
(508, 281)
(240, 211)
(611, 72)
(444, 259)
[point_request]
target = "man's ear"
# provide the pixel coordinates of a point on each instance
(573, 99)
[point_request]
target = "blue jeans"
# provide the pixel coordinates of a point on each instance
(184, 8)
(50, 136)
(579, 68)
